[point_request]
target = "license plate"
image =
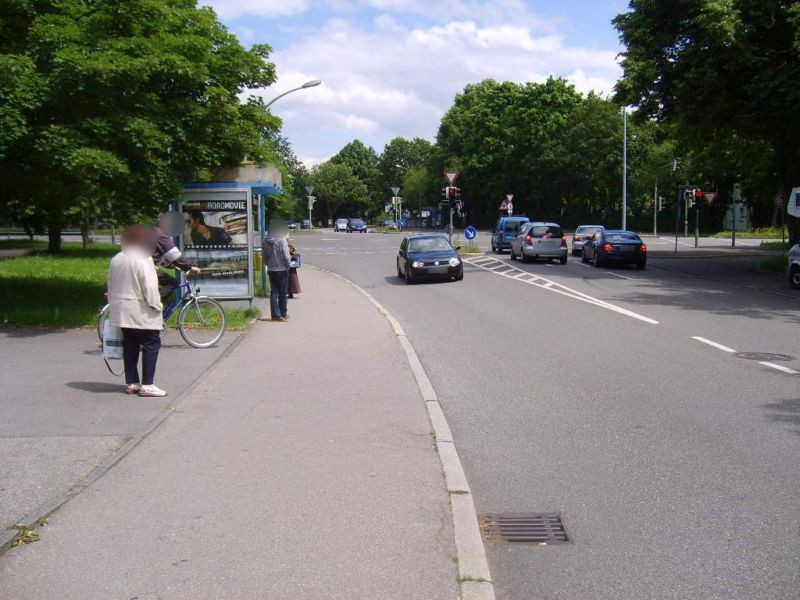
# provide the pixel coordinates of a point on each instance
(626, 248)
(437, 270)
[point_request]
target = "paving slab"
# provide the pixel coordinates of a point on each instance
(303, 466)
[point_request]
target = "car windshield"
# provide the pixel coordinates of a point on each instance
(358, 222)
(621, 236)
(587, 230)
(341, 221)
(546, 231)
(435, 244)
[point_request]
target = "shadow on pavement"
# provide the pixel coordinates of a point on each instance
(785, 411)
(96, 387)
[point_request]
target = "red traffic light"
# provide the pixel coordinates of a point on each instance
(698, 194)
(452, 192)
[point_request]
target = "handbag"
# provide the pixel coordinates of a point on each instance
(296, 261)
(112, 345)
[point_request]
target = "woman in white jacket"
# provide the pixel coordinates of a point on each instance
(136, 309)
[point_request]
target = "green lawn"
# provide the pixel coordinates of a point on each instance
(66, 290)
(762, 232)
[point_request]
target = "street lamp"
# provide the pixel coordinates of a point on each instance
(624, 168)
(306, 85)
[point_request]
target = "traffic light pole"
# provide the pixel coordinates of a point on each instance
(696, 223)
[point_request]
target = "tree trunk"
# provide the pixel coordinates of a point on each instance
(54, 224)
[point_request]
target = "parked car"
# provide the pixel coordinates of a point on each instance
(292, 225)
(428, 256)
(340, 225)
(306, 224)
(581, 235)
(356, 225)
(540, 240)
(506, 229)
(794, 267)
(389, 224)
(615, 246)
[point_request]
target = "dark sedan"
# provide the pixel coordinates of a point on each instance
(428, 256)
(356, 225)
(617, 247)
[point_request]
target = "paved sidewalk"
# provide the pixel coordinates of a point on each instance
(63, 413)
(302, 467)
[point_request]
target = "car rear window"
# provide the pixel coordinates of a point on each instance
(587, 230)
(622, 237)
(546, 231)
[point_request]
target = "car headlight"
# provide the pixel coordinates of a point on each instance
(417, 265)
(454, 262)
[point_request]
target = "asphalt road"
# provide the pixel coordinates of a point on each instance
(583, 391)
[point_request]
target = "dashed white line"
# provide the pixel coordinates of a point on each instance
(780, 368)
(714, 344)
(620, 276)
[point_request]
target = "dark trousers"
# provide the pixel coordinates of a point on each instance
(279, 289)
(167, 284)
(148, 341)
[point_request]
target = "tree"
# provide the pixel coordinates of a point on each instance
(727, 70)
(363, 162)
(398, 156)
(108, 103)
(337, 186)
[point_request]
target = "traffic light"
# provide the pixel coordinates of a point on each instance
(698, 198)
(688, 195)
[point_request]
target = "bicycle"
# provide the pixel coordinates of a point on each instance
(201, 320)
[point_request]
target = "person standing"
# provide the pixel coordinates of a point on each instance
(167, 255)
(275, 254)
(136, 309)
(294, 278)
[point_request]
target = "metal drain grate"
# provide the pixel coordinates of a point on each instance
(765, 356)
(535, 528)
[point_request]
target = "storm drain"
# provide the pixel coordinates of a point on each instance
(532, 528)
(764, 356)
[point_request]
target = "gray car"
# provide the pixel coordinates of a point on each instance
(583, 234)
(540, 240)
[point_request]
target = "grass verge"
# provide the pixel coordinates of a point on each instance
(761, 232)
(66, 290)
(776, 245)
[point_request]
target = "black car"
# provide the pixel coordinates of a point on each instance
(356, 225)
(617, 247)
(428, 256)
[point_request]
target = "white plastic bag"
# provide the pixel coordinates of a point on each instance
(112, 342)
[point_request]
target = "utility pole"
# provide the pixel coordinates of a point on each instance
(655, 211)
(624, 168)
(737, 197)
(395, 204)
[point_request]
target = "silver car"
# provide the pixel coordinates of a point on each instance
(582, 235)
(539, 240)
(340, 225)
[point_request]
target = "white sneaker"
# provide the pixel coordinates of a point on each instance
(151, 391)
(133, 388)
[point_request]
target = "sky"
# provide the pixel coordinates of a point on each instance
(393, 67)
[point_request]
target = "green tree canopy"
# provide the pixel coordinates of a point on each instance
(107, 103)
(338, 188)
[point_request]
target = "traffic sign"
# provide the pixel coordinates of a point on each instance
(504, 205)
(710, 197)
(510, 197)
(451, 176)
(395, 190)
(778, 200)
(470, 233)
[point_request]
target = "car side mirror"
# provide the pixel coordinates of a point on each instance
(458, 248)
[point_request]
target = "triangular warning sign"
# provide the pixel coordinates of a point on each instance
(710, 197)
(451, 176)
(504, 205)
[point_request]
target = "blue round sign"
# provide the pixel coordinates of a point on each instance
(470, 233)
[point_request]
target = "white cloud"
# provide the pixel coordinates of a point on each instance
(397, 75)
(233, 9)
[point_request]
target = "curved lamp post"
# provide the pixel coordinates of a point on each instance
(262, 212)
(306, 85)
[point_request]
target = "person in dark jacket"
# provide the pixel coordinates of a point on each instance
(275, 254)
(167, 255)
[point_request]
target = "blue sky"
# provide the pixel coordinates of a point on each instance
(392, 67)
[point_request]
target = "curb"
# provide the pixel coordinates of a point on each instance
(474, 577)
(38, 516)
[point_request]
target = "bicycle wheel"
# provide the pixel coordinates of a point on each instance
(102, 317)
(202, 322)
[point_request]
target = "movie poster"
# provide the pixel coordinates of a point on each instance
(215, 239)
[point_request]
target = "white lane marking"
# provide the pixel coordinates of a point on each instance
(583, 264)
(714, 344)
(780, 368)
(620, 276)
(559, 288)
(520, 275)
(680, 242)
(330, 239)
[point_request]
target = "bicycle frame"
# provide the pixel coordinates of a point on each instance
(184, 291)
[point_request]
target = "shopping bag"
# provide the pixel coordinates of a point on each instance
(296, 262)
(112, 342)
